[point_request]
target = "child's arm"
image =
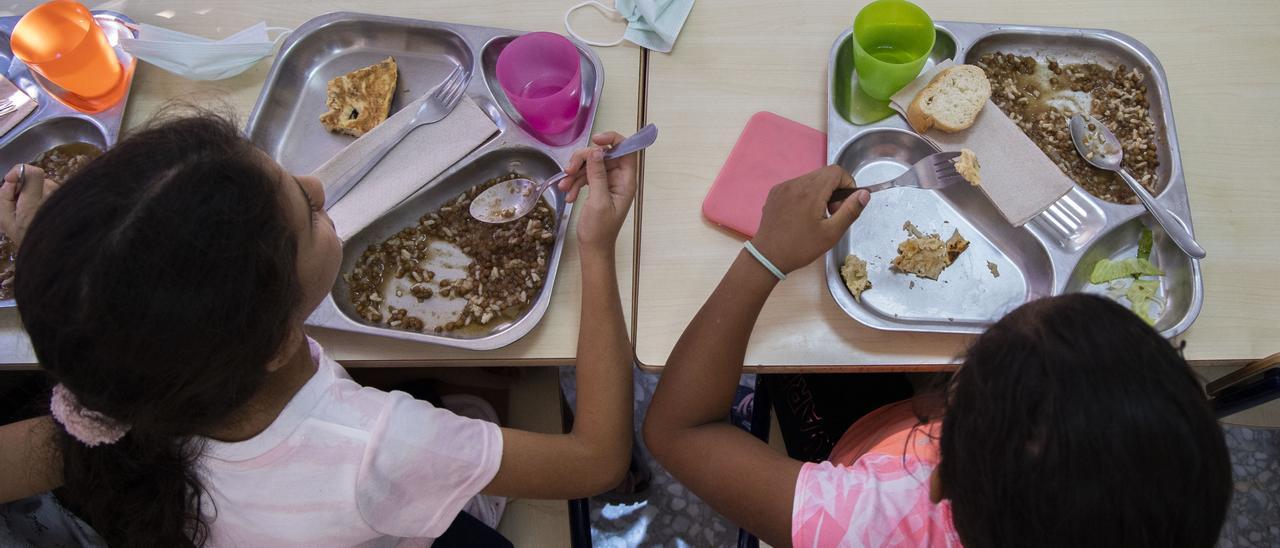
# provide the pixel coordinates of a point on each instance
(737, 474)
(593, 457)
(29, 463)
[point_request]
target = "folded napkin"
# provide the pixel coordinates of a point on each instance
(1016, 175)
(23, 105)
(425, 152)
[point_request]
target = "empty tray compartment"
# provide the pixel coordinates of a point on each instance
(968, 295)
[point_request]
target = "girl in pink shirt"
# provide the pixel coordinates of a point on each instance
(164, 288)
(1070, 423)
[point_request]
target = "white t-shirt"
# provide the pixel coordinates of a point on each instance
(347, 465)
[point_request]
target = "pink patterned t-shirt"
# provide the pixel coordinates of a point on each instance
(347, 465)
(879, 499)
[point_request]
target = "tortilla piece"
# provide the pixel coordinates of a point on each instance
(927, 256)
(854, 273)
(967, 166)
(361, 99)
(956, 245)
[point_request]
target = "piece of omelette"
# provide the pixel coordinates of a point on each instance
(361, 99)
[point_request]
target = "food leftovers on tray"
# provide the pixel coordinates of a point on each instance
(1096, 144)
(995, 269)
(496, 205)
(928, 255)
(7, 251)
(967, 166)
(59, 164)
(854, 272)
(1125, 278)
(1107, 270)
(508, 266)
(952, 100)
(1041, 98)
(361, 99)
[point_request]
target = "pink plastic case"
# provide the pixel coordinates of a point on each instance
(771, 150)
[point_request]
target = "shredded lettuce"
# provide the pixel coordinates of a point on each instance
(1107, 270)
(1123, 279)
(1141, 295)
(1145, 241)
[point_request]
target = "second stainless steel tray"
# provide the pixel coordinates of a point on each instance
(53, 123)
(285, 124)
(1051, 255)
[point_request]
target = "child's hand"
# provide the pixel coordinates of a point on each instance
(795, 228)
(19, 199)
(613, 187)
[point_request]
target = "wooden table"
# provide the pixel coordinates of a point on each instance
(736, 58)
(554, 341)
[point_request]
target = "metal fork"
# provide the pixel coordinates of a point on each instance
(7, 106)
(933, 172)
(434, 106)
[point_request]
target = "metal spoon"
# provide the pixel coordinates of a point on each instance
(1100, 148)
(511, 200)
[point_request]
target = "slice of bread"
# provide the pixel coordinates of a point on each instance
(951, 101)
(361, 99)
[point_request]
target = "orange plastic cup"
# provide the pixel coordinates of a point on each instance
(62, 42)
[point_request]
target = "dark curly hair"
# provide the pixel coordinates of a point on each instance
(1073, 423)
(156, 285)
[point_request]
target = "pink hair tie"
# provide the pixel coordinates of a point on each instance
(89, 427)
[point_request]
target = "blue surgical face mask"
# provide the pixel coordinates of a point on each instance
(652, 24)
(199, 58)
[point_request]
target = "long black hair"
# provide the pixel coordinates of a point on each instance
(1073, 423)
(156, 286)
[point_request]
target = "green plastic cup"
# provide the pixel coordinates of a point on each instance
(891, 42)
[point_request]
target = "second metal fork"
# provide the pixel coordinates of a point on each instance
(933, 172)
(432, 107)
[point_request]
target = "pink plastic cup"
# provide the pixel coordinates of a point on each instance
(541, 74)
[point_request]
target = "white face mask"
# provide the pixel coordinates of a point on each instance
(652, 24)
(199, 58)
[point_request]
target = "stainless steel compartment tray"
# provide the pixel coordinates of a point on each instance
(53, 123)
(284, 123)
(1051, 255)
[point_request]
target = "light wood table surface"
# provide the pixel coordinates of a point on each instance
(736, 58)
(554, 341)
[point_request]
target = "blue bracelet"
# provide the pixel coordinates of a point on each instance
(767, 264)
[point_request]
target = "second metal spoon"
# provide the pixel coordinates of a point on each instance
(511, 200)
(1101, 149)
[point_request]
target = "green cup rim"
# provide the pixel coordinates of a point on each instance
(933, 36)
